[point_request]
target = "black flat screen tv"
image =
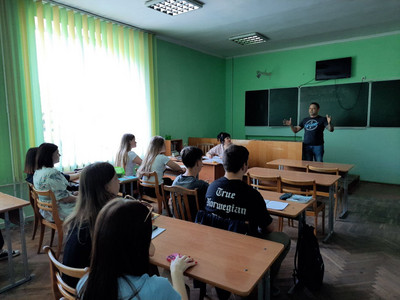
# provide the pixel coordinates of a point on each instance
(333, 68)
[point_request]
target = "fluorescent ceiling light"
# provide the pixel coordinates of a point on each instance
(249, 38)
(174, 7)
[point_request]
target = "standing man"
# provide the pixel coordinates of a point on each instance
(314, 125)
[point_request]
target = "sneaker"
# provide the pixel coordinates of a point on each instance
(4, 254)
(275, 291)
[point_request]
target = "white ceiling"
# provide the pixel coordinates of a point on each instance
(288, 23)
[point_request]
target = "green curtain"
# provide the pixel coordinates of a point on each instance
(20, 91)
(21, 82)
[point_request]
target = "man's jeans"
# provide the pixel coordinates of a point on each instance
(313, 152)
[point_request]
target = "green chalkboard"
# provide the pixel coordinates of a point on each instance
(346, 103)
(385, 104)
(283, 105)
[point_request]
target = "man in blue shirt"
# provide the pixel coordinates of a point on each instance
(314, 125)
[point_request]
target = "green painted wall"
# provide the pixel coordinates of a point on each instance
(191, 92)
(374, 151)
(5, 154)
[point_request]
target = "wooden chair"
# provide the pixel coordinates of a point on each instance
(57, 224)
(159, 199)
(61, 290)
(205, 147)
(181, 199)
(338, 190)
(308, 188)
(32, 199)
(272, 183)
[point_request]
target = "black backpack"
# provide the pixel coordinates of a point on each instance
(308, 263)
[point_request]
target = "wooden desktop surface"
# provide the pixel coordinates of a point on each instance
(320, 179)
(11, 205)
(291, 211)
(231, 261)
(343, 168)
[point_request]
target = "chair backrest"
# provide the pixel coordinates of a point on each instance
(182, 202)
(33, 196)
(146, 183)
(48, 205)
(271, 183)
(205, 147)
(333, 171)
(307, 187)
(60, 288)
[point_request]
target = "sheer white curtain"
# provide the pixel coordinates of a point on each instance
(91, 93)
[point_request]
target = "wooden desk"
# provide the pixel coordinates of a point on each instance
(302, 164)
(292, 211)
(11, 211)
(211, 171)
(228, 260)
(123, 181)
(320, 179)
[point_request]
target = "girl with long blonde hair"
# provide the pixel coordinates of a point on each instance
(127, 158)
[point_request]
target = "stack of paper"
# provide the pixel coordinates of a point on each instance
(275, 204)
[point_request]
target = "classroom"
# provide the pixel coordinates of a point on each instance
(195, 90)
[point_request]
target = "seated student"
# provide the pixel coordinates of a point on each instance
(4, 252)
(155, 160)
(98, 184)
(46, 177)
(230, 198)
(30, 167)
(191, 158)
(126, 158)
(225, 139)
(120, 257)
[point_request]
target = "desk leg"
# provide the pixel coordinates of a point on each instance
(264, 287)
(11, 279)
(23, 245)
(343, 214)
(331, 213)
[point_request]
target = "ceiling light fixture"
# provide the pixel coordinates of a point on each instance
(174, 7)
(249, 38)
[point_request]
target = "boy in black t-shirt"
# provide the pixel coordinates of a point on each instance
(230, 198)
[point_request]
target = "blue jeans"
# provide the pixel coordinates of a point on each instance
(313, 152)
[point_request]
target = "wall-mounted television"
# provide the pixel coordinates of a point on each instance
(333, 68)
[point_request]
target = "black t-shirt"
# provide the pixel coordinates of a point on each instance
(236, 200)
(314, 130)
(77, 251)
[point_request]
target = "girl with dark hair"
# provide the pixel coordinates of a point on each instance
(98, 184)
(125, 226)
(155, 160)
(30, 164)
(30, 167)
(225, 141)
(46, 177)
(126, 158)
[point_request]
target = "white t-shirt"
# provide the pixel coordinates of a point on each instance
(159, 166)
(130, 165)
